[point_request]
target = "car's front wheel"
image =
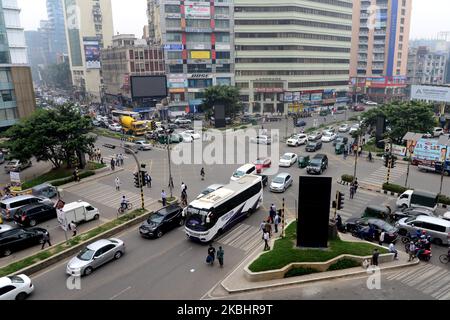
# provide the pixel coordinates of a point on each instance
(32, 223)
(159, 233)
(21, 296)
(88, 271)
(118, 255)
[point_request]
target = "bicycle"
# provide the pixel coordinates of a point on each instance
(122, 209)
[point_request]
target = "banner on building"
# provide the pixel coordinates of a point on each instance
(16, 184)
(197, 9)
(92, 54)
(431, 93)
(200, 55)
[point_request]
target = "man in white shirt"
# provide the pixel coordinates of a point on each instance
(393, 250)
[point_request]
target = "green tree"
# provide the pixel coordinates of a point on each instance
(227, 95)
(58, 135)
(403, 117)
(57, 75)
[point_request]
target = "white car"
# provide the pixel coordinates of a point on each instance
(15, 287)
(329, 129)
(281, 182)
(186, 137)
(344, 127)
(262, 139)
(143, 145)
(210, 189)
(370, 103)
(115, 127)
(194, 135)
(328, 136)
(354, 128)
(288, 159)
(182, 121)
(297, 140)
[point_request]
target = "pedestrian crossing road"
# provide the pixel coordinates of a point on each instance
(107, 195)
(355, 207)
(378, 177)
(427, 278)
(242, 236)
(107, 159)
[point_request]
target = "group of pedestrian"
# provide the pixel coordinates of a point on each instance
(266, 226)
(353, 188)
(95, 155)
(117, 161)
(212, 254)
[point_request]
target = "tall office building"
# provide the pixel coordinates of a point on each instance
(57, 33)
(292, 55)
(198, 47)
(17, 99)
(89, 28)
(380, 48)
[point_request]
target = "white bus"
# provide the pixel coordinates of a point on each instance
(116, 114)
(220, 210)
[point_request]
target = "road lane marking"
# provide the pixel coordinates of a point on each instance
(118, 294)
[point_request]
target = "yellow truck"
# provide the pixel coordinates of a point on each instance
(132, 126)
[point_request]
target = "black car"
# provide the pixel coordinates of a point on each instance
(340, 139)
(313, 146)
(20, 238)
(32, 214)
(318, 164)
(412, 212)
(360, 227)
(162, 221)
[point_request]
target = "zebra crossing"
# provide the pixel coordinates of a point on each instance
(378, 177)
(107, 195)
(355, 207)
(427, 278)
(242, 236)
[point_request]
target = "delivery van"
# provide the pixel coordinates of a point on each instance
(77, 212)
(418, 199)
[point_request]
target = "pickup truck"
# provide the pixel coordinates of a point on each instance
(437, 168)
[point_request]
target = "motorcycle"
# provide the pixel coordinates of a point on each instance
(425, 254)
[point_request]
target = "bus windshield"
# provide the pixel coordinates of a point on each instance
(198, 219)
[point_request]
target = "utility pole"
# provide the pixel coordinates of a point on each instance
(168, 155)
(283, 219)
(407, 168)
(443, 160)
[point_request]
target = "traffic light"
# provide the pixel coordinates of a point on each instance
(340, 201)
(143, 177)
(392, 162)
(386, 160)
(136, 179)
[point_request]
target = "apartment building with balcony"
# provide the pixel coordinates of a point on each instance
(426, 66)
(379, 50)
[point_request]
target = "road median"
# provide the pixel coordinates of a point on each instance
(57, 253)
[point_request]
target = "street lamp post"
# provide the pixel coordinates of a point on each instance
(442, 168)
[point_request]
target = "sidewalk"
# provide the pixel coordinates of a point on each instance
(236, 282)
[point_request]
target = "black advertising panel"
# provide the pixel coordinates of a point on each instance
(314, 197)
(148, 87)
(219, 116)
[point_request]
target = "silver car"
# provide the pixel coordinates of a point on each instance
(95, 255)
(281, 182)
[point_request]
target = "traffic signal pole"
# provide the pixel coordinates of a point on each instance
(389, 164)
(141, 185)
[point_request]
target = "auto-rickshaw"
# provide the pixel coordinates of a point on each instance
(378, 212)
(339, 148)
(303, 161)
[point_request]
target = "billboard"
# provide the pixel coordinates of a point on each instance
(200, 55)
(431, 93)
(92, 54)
(197, 9)
(428, 151)
(16, 184)
(148, 87)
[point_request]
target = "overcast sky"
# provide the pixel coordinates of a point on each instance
(429, 16)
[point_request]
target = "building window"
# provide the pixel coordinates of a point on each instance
(176, 68)
(222, 55)
(223, 68)
(223, 81)
(7, 95)
(173, 36)
(299, 35)
(202, 68)
(4, 57)
(222, 23)
(198, 37)
(198, 23)
(8, 114)
(172, 8)
(174, 55)
(223, 37)
(242, 85)
(5, 76)
(199, 83)
(173, 23)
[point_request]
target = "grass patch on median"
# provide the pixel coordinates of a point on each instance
(51, 251)
(284, 252)
(54, 174)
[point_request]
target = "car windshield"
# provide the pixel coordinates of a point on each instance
(315, 163)
(155, 218)
(286, 157)
(11, 163)
(238, 173)
(311, 144)
(86, 254)
(207, 191)
(278, 180)
(16, 279)
(410, 219)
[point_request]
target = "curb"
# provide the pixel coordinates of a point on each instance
(302, 281)
(38, 266)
